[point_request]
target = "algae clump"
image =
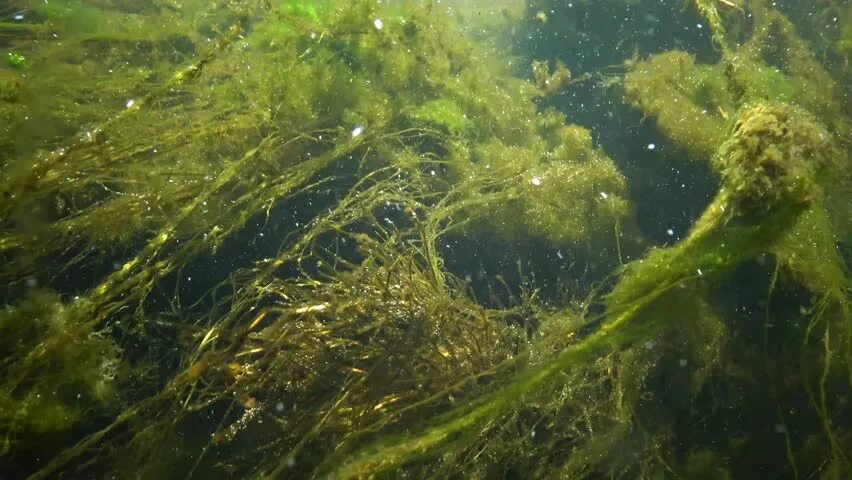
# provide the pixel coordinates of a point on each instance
(76, 368)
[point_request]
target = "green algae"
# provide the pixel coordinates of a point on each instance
(442, 113)
(322, 161)
(76, 367)
(690, 102)
(729, 233)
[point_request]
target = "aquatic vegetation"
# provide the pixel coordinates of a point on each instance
(844, 45)
(307, 10)
(76, 367)
(572, 195)
(773, 64)
(549, 83)
(16, 60)
(691, 103)
(442, 113)
(757, 160)
(247, 259)
(809, 84)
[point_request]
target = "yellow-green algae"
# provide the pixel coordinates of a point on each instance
(348, 347)
(691, 103)
(761, 160)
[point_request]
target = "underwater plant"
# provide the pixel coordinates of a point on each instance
(353, 238)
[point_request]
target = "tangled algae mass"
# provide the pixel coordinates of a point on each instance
(392, 239)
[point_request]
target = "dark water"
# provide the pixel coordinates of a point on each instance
(350, 239)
